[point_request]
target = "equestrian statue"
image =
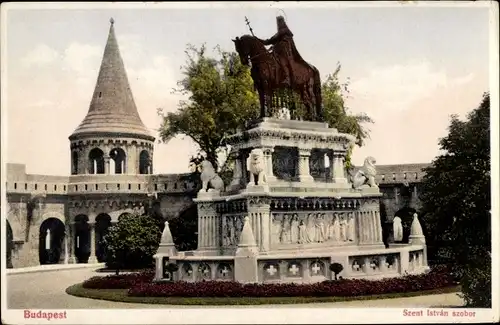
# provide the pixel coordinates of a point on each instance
(281, 69)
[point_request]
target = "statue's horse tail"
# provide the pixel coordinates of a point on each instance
(317, 93)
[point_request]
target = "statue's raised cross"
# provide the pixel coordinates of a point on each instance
(271, 270)
(294, 269)
(316, 268)
(373, 265)
(248, 24)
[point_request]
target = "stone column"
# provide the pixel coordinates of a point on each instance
(106, 165)
(70, 233)
(268, 160)
(208, 234)
(304, 174)
(259, 212)
(337, 173)
(92, 258)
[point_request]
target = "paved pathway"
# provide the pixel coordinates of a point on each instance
(46, 290)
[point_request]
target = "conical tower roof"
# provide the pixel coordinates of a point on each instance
(112, 108)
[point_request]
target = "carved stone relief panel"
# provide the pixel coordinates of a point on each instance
(303, 227)
(232, 225)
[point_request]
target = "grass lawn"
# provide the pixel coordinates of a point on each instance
(121, 296)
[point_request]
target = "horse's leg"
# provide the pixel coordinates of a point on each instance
(262, 99)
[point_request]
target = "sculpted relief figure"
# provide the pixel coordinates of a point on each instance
(351, 226)
(303, 233)
(343, 227)
(294, 228)
(366, 174)
(210, 177)
(256, 166)
(285, 230)
(319, 228)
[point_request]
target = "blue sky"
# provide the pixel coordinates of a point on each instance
(410, 67)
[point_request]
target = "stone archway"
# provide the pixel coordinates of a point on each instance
(102, 224)
(81, 240)
(406, 215)
(51, 241)
(9, 245)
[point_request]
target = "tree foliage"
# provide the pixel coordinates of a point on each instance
(132, 242)
(222, 99)
(456, 199)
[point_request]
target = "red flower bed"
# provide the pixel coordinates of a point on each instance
(436, 279)
(121, 281)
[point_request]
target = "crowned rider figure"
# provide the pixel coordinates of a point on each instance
(284, 49)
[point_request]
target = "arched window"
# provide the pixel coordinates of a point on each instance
(144, 162)
(96, 161)
(118, 161)
(74, 162)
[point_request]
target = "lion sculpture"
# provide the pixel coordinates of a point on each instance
(256, 167)
(210, 177)
(366, 174)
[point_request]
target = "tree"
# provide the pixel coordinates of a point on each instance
(456, 202)
(222, 99)
(132, 242)
(336, 268)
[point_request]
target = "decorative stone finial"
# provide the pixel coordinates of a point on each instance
(416, 233)
(166, 237)
(247, 243)
(111, 20)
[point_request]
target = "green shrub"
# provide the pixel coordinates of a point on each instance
(132, 242)
(476, 285)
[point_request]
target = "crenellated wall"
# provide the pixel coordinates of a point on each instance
(32, 199)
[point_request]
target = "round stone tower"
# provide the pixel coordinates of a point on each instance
(111, 160)
(112, 139)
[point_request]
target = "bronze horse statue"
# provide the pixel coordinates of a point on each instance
(267, 77)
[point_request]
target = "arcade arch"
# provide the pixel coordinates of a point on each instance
(102, 224)
(81, 240)
(9, 245)
(51, 241)
(406, 216)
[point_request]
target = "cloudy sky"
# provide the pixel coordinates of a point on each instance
(410, 66)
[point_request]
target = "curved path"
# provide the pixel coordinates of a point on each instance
(46, 290)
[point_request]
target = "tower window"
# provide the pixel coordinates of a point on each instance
(86, 187)
(96, 187)
(100, 94)
(25, 186)
(118, 186)
(64, 187)
(45, 186)
(156, 187)
(55, 187)
(138, 186)
(129, 186)
(36, 187)
(15, 186)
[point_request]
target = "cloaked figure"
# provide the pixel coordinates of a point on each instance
(284, 49)
(397, 227)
